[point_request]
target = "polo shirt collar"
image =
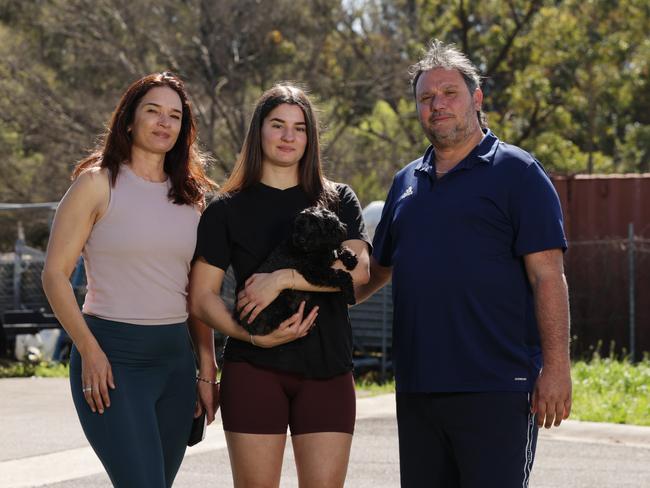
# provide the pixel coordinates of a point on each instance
(483, 153)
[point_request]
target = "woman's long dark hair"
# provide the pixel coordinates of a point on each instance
(248, 167)
(184, 163)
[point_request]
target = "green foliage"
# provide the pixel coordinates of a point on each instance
(565, 157)
(568, 81)
(607, 390)
(634, 149)
(369, 385)
(22, 177)
(27, 370)
(385, 139)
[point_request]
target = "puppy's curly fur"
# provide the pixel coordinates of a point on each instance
(315, 243)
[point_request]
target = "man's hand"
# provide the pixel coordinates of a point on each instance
(379, 276)
(552, 396)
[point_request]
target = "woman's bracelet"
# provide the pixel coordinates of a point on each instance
(252, 340)
(212, 382)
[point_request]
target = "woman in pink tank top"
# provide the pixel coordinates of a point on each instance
(133, 210)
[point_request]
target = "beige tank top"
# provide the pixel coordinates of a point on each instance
(138, 255)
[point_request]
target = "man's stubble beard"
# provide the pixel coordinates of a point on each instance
(459, 133)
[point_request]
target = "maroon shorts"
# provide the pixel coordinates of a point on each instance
(265, 401)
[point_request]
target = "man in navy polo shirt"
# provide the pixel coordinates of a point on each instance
(472, 236)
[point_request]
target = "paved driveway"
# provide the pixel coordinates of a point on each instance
(42, 445)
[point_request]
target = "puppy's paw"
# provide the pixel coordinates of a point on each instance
(345, 284)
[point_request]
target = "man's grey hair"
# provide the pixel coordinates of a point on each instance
(448, 56)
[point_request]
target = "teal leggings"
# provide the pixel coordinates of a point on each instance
(141, 438)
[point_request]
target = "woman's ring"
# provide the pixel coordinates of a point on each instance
(89, 388)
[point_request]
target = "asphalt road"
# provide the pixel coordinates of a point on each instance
(42, 445)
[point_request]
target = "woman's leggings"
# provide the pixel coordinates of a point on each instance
(141, 438)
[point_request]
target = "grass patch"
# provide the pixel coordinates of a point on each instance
(607, 390)
(604, 389)
(15, 369)
(368, 387)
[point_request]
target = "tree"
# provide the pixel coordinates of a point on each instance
(566, 80)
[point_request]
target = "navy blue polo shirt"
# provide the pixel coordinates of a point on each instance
(464, 318)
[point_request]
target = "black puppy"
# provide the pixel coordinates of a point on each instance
(312, 248)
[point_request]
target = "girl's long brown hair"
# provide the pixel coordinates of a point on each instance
(184, 163)
(248, 167)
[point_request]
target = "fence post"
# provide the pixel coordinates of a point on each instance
(631, 275)
(19, 249)
(384, 329)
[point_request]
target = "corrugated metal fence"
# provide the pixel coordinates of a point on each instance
(607, 220)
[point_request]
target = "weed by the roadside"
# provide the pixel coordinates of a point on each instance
(371, 384)
(16, 369)
(607, 390)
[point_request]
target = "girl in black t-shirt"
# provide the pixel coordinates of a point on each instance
(300, 375)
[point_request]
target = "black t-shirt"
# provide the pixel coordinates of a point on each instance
(240, 230)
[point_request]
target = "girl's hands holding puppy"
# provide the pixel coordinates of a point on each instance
(260, 290)
(293, 328)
